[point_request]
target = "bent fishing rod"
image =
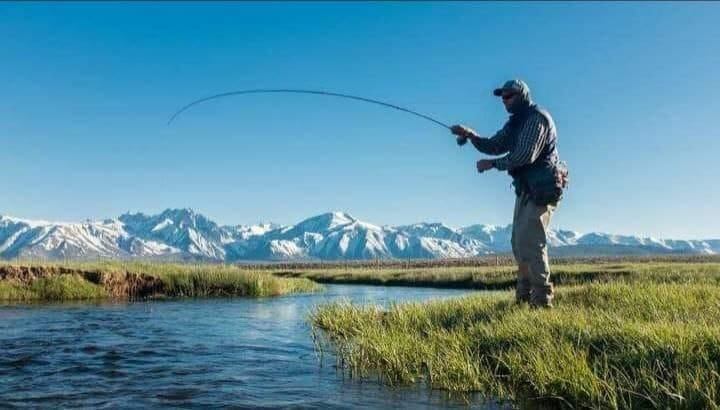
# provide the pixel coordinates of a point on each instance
(315, 92)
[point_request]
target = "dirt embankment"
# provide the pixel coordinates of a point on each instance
(117, 284)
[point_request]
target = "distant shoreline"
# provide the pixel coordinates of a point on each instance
(74, 280)
(489, 260)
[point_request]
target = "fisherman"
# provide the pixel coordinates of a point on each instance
(529, 139)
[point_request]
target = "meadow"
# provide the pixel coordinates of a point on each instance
(622, 335)
(498, 277)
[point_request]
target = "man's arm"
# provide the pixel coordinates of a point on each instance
(495, 145)
(530, 142)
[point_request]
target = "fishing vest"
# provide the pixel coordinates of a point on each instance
(545, 178)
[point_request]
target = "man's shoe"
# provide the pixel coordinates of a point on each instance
(541, 306)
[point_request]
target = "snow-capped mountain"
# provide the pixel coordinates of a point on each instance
(187, 235)
(108, 239)
(181, 229)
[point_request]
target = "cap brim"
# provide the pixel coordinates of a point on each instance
(498, 92)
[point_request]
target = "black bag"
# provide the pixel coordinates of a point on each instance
(545, 185)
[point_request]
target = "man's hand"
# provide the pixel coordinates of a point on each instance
(484, 164)
(463, 131)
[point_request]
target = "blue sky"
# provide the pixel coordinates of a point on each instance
(87, 90)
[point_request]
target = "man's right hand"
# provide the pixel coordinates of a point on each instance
(463, 131)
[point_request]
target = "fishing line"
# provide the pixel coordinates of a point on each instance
(325, 93)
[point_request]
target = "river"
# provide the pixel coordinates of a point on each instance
(191, 353)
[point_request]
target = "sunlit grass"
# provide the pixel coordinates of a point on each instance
(91, 280)
(605, 345)
(503, 277)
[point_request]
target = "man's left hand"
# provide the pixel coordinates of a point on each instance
(484, 164)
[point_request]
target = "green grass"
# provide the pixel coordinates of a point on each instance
(11, 291)
(66, 287)
(86, 280)
(130, 279)
(212, 280)
(55, 288)
(605, 345)
(503, 277)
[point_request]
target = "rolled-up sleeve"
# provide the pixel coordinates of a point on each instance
(530, 142)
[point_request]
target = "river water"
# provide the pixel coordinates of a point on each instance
(193, 353)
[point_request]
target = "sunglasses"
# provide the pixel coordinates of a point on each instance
(508, 96)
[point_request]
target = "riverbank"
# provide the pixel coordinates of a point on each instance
(623, 336)
(503, 277)
(24, 282)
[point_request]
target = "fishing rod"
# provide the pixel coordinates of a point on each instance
(296, 91)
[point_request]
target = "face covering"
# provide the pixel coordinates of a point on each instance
(521, 102)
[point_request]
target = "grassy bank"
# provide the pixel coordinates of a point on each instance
(486, 260)
(503, 277)
(611, 345)
(626, 335)
(73, 281)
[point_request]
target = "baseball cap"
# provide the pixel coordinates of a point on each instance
(516, 86)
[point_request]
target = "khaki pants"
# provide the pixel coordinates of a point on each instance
(529, 245)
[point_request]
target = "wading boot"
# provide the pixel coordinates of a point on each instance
(541, 296)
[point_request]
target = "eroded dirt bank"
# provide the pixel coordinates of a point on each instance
(118, 284)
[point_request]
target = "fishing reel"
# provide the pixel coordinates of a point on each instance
(462, 133)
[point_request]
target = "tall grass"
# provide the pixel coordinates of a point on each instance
(92, 280)
(485, 260)
(606, 345)
(503, 277)
(55, 288)
(211, 280)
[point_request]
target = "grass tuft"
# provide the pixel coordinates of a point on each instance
(605, 345)
(87, 280)
(66, 287)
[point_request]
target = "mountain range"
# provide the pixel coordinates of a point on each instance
(183, 234)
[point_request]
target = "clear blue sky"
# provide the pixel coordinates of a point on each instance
(87, 90)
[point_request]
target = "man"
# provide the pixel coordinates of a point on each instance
(529, 138)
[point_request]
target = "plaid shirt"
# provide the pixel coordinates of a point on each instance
(526, 148)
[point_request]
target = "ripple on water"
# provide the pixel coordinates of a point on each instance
(178, 394)
(90, 349)
(20, 362)
(191, 353)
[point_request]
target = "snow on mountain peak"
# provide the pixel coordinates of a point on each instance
(32, 223)
(325, 222)
(187, 234)
(246, 232)
(339, 219)
(431, 230)
(162, 225)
